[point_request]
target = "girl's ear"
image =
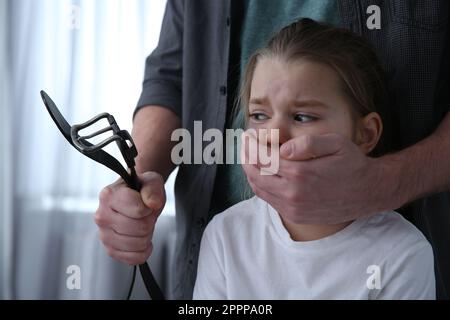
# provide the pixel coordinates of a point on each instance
(369, 132)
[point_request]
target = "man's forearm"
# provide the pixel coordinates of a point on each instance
(152, 129)
(421, 169)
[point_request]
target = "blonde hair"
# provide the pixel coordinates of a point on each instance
(353, 59)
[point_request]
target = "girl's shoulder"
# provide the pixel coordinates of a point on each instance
(394, 231)
(392, 222)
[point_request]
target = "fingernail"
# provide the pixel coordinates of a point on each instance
(148, 201)
(153, 202)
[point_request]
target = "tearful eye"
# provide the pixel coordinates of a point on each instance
(259, 116)
(304, 118)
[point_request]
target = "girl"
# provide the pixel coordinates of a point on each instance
(314, 79)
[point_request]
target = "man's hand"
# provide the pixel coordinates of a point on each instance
(127, 218)
(323, 179)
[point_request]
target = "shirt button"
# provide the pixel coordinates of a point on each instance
(201, 222)
(223, 90)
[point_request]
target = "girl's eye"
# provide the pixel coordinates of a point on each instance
(304, 118)
(258, 116)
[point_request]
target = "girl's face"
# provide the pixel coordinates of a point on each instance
(304, 97)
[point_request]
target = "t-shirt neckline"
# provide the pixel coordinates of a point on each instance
(330, 241)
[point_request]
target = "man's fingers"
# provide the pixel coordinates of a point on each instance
(307, 147)
(124, 200)
(263, 194)
(127, 218)
(124, 225)
(131, 258)
(257, 153)
(121, 242)
(255, 177)
(133, 204)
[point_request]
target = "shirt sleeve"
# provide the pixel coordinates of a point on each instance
(210, 283)
(164, 67)
(409, 274)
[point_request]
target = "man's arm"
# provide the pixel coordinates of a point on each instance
(152, 129)
(159, 107)
(423, 168)
(127, 218)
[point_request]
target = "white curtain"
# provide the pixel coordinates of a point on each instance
(88, 55)
(6, 224)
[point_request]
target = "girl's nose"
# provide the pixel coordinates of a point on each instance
(283, 131)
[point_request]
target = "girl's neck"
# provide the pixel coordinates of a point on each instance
(309, 232)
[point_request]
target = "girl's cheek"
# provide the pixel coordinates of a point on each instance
(312, 129)
(256, 126)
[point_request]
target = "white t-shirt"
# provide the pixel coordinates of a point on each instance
(246, 253)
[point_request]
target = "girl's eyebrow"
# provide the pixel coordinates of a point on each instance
(295, 103)
(309, 103)
(260, 101)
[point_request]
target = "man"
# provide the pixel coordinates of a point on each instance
(193, 75)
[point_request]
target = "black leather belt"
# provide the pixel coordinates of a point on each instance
(129, 152)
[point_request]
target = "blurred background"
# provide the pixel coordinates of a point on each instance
(89, 56)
